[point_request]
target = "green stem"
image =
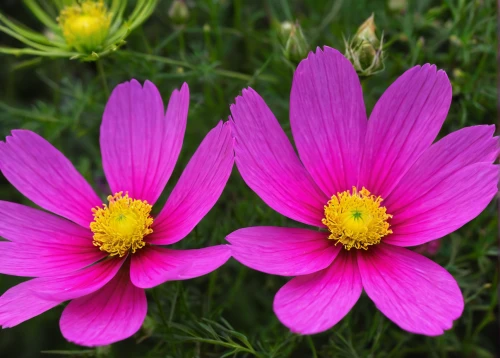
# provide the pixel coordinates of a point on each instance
(102, 75)
(160, 309)
(172, 62)
(172, 309)
(182, 45)
(311, 345)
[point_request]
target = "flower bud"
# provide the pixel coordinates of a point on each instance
(293, 40)
(179, 12)
(284, 30)
(103, 351)
(85, 25)
(420, 42)
(365, 49)
(397, 5)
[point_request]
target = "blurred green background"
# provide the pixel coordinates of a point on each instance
(222, 47)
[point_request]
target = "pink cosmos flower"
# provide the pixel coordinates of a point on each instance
(103, 256)
(372, 187)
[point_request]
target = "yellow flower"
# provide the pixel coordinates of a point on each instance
(84, 29)
(85, 26)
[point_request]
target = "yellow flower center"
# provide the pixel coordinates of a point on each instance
(121, 226)
(85, 26)
(356, 219)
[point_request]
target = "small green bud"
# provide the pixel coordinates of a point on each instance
(365, 50)
(458, 73)
(420, 42)
(179, 12)
(293, 40)
(455, 40)
(284, 30)
(397, 5)
(103, 351)
(147, 329)
(459, 79)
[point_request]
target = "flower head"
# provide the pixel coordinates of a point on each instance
(85, 25)
(103, 255)
(370, 188)
(121, 226)
(84, 29)
(356, 219)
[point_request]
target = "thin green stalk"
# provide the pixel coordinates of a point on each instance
(174, 304)
(102, 75)
(169, 61)
(182, 45)
(311, 345)
(160, 309)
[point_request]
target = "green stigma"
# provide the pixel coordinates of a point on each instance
(356, 214)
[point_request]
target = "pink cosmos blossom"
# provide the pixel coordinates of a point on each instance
(370, 187)
(102, 257)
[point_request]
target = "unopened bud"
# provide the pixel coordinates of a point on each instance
(459, 79)
(365, 49)
(420, 42)
(103, 351)
(85, 25)
(458, 73)
(397, 5)
(178, 12)
(284, 30)
(455, 40)
(293, 40)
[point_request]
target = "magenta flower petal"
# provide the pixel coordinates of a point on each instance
(29, 226)
(447, 156)
(328, 119)
(283, 251)
(415, 293)
(403, 124)
(20, 304)
(447, 205)
(314, 303)
(19, 259)
(269, 165)
(445, 189)
(199, 187)
(140, 144)
(113, 313)
(155, 265)
(46, 177)
(78, 283)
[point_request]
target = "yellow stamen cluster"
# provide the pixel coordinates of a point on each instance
(119, 228)
(356, 219)
(85, 25)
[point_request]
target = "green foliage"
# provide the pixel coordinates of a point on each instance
(223, 47)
